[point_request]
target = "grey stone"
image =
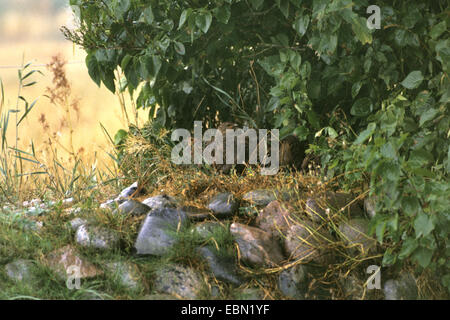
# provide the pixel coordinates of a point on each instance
(160, 202)
(215, 291)
(370, 206)
(96, 237)
(111, 204)
(260, 197)
(76, 223)
(403, 288)
(353, 288)
(275, 219)
(223, 204)
(132, 207)
(156, 235)
(293, 282)
(179, 281)
(329, 203)
(127, 192)
(66, 203)
(256, 246)
(307, 242)
(355, 235)
(20, 270)
(62, 259)
(251, 294)
(196, 214)
(127, 275)
(222, 267)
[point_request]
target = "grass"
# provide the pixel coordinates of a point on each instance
(27, 173)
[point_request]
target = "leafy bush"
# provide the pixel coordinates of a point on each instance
(372, 103)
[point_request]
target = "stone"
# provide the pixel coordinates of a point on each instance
(222, 267)
(111, 204)
(354, 233)
(321, 207)
(215, 292)
(96, 237)
(32, 203)
(306, 242)
(179, 281)
(76, 223)
(352, 287)
(260, 197)
(156, 233)
(127, 275)
(197, 214)
(275, 219)
(370, 206)
(293, 282)
(126, 193)
(61, 259)
(66, 203)
(20, 270)
(132, 207)
(403, 288)
(223, 204)
(251, 294)
(256, 246)
(160, 202)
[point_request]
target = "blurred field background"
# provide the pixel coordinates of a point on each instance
(29, 31)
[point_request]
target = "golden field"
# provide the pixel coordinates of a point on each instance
(36, 38)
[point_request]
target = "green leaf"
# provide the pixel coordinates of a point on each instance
(389, 258)
(121, 8)
(223, 13)
(362, 107)
(203, 21)
(438, 29)
(93, 68)
(273, 104)
(148, 15)
(428, 115)
(120, 136)
(257, 4)
(184, 15)
(423, 256)
(355, 89)
(413, 80)
(366, 134)
(301, 24)
(423, 225)
(284, 7)
(408, 247)
(179, 48)
(379, 231)
(360, 29)
(125, 61)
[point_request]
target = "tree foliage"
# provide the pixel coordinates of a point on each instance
(372, 103)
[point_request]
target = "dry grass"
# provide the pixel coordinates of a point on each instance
(95, 105)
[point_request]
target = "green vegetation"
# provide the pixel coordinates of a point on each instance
(372, 103)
